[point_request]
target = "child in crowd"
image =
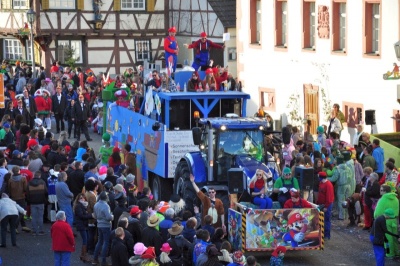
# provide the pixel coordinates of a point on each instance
(277, 256)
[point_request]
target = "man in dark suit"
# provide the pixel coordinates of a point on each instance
(80, 115)
(21, 110)
(59, 104)
(30, 105)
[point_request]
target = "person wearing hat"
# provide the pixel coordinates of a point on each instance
(80, 116)
(138, 250)
(210, 256)
(389, 200)
(178, 204)
(277, 256)
(171, 49)
(179, 244)
(131, 189)
(106, 149)
(102, 214)
(6, 135)
(326, 196)
(121, 97)
(44, 106)
(59, 105)
(238, 259)
(321, 138)
(283, 185)
(149, 256)
(150, 235)
(114, 160)
(120, 207)
(164, 259)
(377, 235)
(203, 47)
(296, 202)
(134, 226)
(92, 172)
(342, 175)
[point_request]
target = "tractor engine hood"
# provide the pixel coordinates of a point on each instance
(250, 165)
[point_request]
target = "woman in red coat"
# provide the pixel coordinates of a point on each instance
(63, 241)
(43, 104)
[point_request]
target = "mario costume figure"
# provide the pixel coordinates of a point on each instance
(202, 47)
(121, 101)
(171, 49)
(297, 227)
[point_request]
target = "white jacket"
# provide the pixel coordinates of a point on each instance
(9, 207)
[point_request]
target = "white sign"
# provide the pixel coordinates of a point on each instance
(179, 143)
(226, 37)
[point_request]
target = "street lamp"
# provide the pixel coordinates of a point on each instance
(31, 16)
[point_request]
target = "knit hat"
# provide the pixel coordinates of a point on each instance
(139, 248)
(6, 125)
(79, 153)
(389, 212)
(320, 129)
(103, 170)
(106, 137)
(130, 178)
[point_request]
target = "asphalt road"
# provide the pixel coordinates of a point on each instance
(348, 246)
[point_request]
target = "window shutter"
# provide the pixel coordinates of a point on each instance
(27, 4)
(150, 5)
(45, 4)
(6, 4)
(81, 5)
(117, 5)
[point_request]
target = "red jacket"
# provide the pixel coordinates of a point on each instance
(63, 238)
(326, 194)
(289, 204)
(43, 104)
(199, 45)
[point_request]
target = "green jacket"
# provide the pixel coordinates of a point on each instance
(388, 200)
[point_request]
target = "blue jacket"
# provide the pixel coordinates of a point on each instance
(64, 195)
(379, 157)
(103, 215)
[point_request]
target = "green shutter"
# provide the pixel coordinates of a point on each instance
(150, 5)
(6, 4)
(45, 4)
(81, 5)
(117, 5)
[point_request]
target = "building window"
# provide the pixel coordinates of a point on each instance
(28, 48)
(142, 50)
(232, 54)
(281, 23)
(372, 27)
(62, 4)
(255, 21)
(12, 49)
(133, 5)
(69, 49)
(309, 24)
(339, 26)
(20, 4)
(267, 99)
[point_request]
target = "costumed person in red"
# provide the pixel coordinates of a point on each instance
(44, 105)
(259, 184)
(63, 241)
(296, 202)
(202, 47)
(121, 96)
(219, 78)
(209, 82)
(277, 256)
(326, 196)
(171, 49)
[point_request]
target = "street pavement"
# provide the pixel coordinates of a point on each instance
(347, 246)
